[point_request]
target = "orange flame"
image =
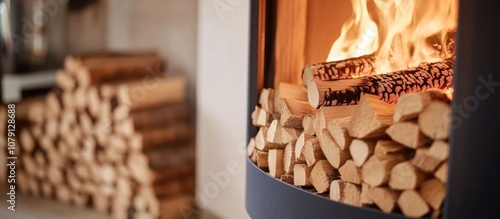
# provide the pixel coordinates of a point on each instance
(396, 31)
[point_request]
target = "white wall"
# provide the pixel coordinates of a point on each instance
(223, 51)
(167, 26)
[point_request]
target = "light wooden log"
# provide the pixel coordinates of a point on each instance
(406, 176)
(435, 120)
(365, 197)
(94, 102)
(153, 92)
(290, 134)
(80, 100)
(412, 204)
(339, 132)
(439, 150)
(85, 122)
(260, 117)
(46, 189)
(31, 110)
(318, 91)
(299, 146)
(371, 118)
(308, 124)
(433, 191)
(312, 152)
(384, 197)
(173, 187)
(172, 156)
(376, 171)
(100, 202)
(289, 157)
(326, 114)
(337, 190)
(321, 176)
(292, 112)
(79, 199)
(275, 159)
(53, 104)
(138, 166)
(301, 175)
(251, 147)
(163, 175)
(385, 147)
(410, 105)
(65, 81)
(261, 141)
(27, 141)
(352, 194)
(63, 194)
(274, 132)
(178, 206)
(349, 172)
(361, 150)
(22, 182)
(266, 100)
(98, 70)
(408, 134)
(424, 161)
(442, 172)
(332, 151)
(54, 175)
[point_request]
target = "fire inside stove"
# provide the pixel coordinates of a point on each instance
(370, 125)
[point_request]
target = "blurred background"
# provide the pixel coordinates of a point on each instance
(124, 108)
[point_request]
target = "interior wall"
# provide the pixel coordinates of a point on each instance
(222, 92)
(167, 26)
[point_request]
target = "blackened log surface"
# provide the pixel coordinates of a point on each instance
(349, 68)
(389, 87)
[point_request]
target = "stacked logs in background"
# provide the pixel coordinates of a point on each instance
(115, 135)
(375, 154)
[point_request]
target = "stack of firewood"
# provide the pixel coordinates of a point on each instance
(115, 134)
(360, 138)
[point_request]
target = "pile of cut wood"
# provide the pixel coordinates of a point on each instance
(377, 140)
(115, 134)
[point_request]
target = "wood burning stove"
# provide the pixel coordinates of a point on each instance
(472, 190)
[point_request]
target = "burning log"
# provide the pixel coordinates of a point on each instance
(365, 65)
(387, 86)
(349, 68)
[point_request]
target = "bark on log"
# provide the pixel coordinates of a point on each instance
(160, 116)
(371, 118)
(92, 71)
(388, 87)
(349, 68)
